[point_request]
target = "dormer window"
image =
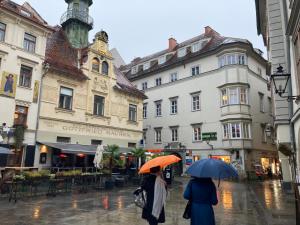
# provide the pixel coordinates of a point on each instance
(134, 70)
(181, 52)
(162, 59)
(196, 47)
(24, 13)
(146, 66)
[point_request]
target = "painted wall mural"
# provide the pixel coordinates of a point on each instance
(8, 84)
(36, 91)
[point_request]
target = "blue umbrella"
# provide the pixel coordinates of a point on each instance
(212, 168)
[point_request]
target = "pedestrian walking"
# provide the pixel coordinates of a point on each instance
(202, 194)
(155, 187)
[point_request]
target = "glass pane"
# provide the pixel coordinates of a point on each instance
(66, 91)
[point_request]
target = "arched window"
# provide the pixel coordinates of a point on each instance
(95, 65)
(105, 68)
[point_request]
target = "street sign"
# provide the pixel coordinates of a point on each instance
(210, 136)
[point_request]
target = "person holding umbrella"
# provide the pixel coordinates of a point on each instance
(201, 191)
(155, 188)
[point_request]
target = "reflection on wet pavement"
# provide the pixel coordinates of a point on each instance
(257, 203)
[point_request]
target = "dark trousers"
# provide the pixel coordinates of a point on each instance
(153, 223)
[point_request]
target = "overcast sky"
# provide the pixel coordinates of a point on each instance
(142, 27)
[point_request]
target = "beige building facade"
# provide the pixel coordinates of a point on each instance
(23, 36)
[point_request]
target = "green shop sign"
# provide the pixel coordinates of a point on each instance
(211, 136)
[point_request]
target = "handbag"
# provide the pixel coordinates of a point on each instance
(140, 198)
(187, 214)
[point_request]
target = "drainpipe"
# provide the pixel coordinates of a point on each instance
(46, 69)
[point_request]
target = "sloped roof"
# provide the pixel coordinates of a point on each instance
(215, 40)
(26, 11)
(62, 56)
(123, 84)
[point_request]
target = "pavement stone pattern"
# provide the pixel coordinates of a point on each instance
(256, 203)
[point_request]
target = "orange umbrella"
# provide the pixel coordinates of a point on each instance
(161, 161)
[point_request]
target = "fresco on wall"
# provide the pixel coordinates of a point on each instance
(8, 84)
(36, 91)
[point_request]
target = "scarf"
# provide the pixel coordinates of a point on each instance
(160, 194)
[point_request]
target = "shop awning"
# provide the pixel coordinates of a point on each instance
(5, 151)
(79, 149)
(154, 150)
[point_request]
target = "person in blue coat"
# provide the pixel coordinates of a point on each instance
(203, 195)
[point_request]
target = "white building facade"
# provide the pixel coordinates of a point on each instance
(207, 97)
(23, 36)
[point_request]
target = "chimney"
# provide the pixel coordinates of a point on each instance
(172, 44)
(208, 29)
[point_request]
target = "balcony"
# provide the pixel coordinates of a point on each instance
(81, 15)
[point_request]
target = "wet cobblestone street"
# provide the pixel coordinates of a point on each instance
(257, 203)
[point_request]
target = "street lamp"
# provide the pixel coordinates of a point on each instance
(280, 81)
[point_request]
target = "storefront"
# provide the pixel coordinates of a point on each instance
(224, 158)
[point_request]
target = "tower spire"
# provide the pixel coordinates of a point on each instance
(77, 23)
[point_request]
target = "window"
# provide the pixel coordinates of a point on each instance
(2, 31)
(246, 130)
(270, 106)
(173, 106)
(96, 142)
(221, 61)
(259, 71)
(224, 97)
(162, 59)
(132, 113)
(195, 70)
(99, 105)
(157, 135)
(234, 95)
(174, 132)
(105, 68)
(29, 42)
(232, 59)
(25, 76)
(263, 134)
(63, 139)
(158, 108)
(131, 145)
(241, 59)
(66, 98)
(146, 66)
(235, 130)
(226, 134)
(261, 102)
(144, 86)
(95, 65)
(144, 136)
(20, 117)
(197, 133)
(196, 102)
(173, 77)
(196, 47)
(243, 95)
(145, 110)
(158, 81)
(181, 52)
(134, 70)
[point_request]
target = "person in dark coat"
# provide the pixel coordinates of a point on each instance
(203, 194)
(155, 197)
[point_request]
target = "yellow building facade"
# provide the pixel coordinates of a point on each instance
(84, 106)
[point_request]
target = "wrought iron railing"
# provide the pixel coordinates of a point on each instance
(80, 15)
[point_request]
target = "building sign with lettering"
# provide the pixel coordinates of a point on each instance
(210, 136)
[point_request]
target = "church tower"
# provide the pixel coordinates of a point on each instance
(77, 23)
